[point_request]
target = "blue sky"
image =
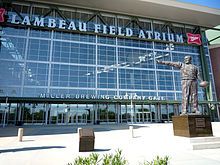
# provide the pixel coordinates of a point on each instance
(208, 3)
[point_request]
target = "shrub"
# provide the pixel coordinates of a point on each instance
(114, 159)
(108, 159)
(158, 161)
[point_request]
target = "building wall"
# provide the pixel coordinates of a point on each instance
(96, 58)
(36, 60)
(215, 58)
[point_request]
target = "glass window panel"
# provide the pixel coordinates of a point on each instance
(36, 74)
(38, 50)
(12, 48)
(134, 43)
(163, 56)
(177, 81)
(73, 76)
(186, 48)
(73, 53)
(106, 78)
(178, 57)
(106, 55)
(167, 95)
(34, 92)
(74, 36)
(10, 91)
(209, 64)
(165, 80)
(18, 31)
(106, 92)
(11, 73)
(135, 58)
(35, 32)
(106, 40)
(161, 46)
(137, 79)
(179, 96)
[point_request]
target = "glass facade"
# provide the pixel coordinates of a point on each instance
(36, 61)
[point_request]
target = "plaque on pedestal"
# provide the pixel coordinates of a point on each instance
(192, 125)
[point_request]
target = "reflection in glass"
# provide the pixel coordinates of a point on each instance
(38, 50)
(36, 74)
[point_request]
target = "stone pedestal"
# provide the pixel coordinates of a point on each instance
(192, 126)
(86, 139)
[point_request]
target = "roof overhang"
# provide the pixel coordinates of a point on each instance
(169, 10)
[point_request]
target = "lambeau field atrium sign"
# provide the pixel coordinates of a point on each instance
(73, 25)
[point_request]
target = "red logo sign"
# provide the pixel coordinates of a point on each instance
(193, 38)
(2, 12)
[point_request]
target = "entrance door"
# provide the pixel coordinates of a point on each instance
(131, 115)
(62, 118)
(83, 114)
(139, 114)
(106, 113)
(164, 113)
(60, 113)
(143, 113)
(3, 115)
(147, 115)
(69, 114)
(124, 114)
(154, 112)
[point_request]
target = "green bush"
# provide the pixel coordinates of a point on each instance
(94, 159)
(158, 161)
(114, 159)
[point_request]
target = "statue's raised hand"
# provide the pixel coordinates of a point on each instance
(158, 61)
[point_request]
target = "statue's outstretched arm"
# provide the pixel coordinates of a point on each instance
(170, 63)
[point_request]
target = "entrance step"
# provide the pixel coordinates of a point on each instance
(205, 143)
(204, 139)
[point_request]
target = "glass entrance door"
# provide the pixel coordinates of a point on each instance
(3, 115)
(28, 113)
(124, 113)
(68, 114)
(147, 116)
(106, 113)
(59, 114)
(143, 113)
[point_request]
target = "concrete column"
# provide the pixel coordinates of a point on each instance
(118, 110)
(20, 134)
(19, 112)
(131, 131)
(46, 114)
(218, 111)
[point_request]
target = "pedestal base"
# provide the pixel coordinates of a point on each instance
(192, 126)
(86, 140)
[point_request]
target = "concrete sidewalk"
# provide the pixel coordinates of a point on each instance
(59, 145)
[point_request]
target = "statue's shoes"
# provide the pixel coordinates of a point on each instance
(183, 113)
(196, 112)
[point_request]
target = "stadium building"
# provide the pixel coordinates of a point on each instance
(94, 62)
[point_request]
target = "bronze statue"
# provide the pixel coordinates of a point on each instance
(189, 75)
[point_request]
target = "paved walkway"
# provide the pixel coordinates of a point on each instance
(58, 145)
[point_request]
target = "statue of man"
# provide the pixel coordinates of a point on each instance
(189, 75)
